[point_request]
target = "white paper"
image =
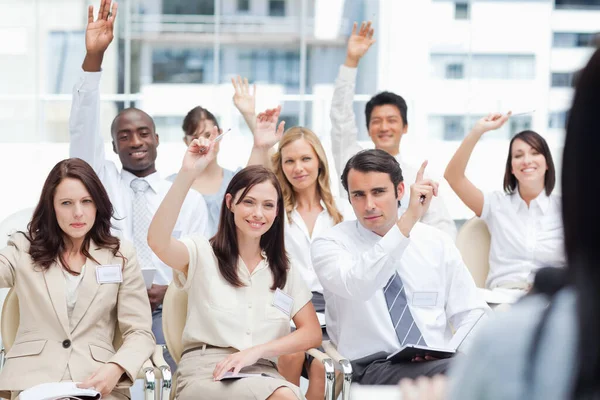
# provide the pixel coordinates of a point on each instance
(230, 375)
(148, 277)
(500, 295)
(57, 390)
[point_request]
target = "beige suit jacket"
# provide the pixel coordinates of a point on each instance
(47, 342)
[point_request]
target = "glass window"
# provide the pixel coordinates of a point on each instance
(519, 123)
(454, 128)
(66, 51)
(243, 5)
(577, 3)
(172, 65)
(454, 71)
(188, 7)
(277, 8)
(557, 120)
(562, 79)
(461, 10)
(569, 39)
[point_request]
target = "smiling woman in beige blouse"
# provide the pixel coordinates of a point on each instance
(242, 291)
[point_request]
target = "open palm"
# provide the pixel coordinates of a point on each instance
(360, 41)
(244, 99)
(267, 132)
(99, 33)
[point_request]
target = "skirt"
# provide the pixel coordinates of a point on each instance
(194, 376)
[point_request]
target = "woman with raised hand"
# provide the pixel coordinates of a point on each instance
(524, 220)
(242, 290)
(76, 283)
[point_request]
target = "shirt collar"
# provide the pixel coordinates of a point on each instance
(152, 179)
(366, 233)
(542, 201)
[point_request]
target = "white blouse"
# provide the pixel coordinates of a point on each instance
(523, 239)
(71, 288)
(298, 240)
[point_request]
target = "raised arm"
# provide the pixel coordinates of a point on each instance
(84, 122)
(170, 250)
(266, 135)
(245, 100)
(344, 132)
(455, 171)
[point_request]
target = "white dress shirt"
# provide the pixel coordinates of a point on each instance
(344, 144)
(86, 143)
(523, 239)
(298, 240)
(354, 265)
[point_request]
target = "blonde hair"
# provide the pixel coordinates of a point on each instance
(323, 188)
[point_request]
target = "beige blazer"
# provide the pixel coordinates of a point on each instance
(47, 342)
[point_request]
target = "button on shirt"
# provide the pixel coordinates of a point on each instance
(523, 239)
(298, 240)
(87, 143)
(344, 144)
(240, 317)
(354, 265)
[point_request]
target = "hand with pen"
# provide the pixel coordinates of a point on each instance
(492, 122)
(200, 153)
(421, 194)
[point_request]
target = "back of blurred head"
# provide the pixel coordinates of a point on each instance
(581, 219)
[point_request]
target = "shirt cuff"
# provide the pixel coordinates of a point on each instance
(394, 243)
(89, 81)
(347, 73)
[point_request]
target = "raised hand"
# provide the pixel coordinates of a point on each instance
(200, 153)
(244, 99)
(359, 43)
(491, 122)
(99, 33)
(421, 193)
(267, 132)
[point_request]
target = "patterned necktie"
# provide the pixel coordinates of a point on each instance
(141, 222)
(404, 324)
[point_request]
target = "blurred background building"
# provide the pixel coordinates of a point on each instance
(453, 62)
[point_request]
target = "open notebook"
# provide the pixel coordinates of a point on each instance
(410, 351)
(58, 391)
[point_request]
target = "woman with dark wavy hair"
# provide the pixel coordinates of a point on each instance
(75, 282)
(242, 290)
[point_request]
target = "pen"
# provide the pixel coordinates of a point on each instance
(221, 136)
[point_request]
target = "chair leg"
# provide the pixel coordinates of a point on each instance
(347, 375)
(165, 391)
(329, 379)
(149, 384)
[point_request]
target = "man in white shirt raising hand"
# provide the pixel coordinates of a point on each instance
(391, 281)
(386, 115)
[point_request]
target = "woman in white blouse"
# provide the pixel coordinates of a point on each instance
(524, 221)
(303, 172)
(242, 289)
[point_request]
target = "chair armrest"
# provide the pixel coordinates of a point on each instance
(329, 371)
(165, 371)
(345, 366)
(332, 352)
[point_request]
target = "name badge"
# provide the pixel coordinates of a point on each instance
(283, 301)
(109, 274)
(424, 299)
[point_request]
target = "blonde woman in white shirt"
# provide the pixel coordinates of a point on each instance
(303, 172)
(524, 221)
(242, 290)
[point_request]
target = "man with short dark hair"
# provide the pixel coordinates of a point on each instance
(137, 189)
(386, 115)
(390, 281)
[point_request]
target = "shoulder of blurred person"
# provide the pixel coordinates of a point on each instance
(500, 357)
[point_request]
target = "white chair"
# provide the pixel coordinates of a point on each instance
(473, 242)
(174, 316)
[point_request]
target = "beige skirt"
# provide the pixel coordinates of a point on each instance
(194, 376)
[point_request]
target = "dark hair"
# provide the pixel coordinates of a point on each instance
(113, 125)
(195, 117)
(581, 220)
(373, 160)
(43, 232)
(225, 242)
(536, 141)
(383, 98)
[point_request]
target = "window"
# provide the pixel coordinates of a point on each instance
(569, 39)
(577, 4)
(519, 123)
(66, 50)
(273, 66)
(461, 11)
(557, 120)
(453, 127)
(277, 8)
(243, 5)
(562, 79)
(188, 7)
(454, 71)
(182, 65)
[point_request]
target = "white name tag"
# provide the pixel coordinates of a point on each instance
(283, 301)
(424, 299)
(109, 274)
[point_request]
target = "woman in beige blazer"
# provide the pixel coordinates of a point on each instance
(242, 290)
(76, 284)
